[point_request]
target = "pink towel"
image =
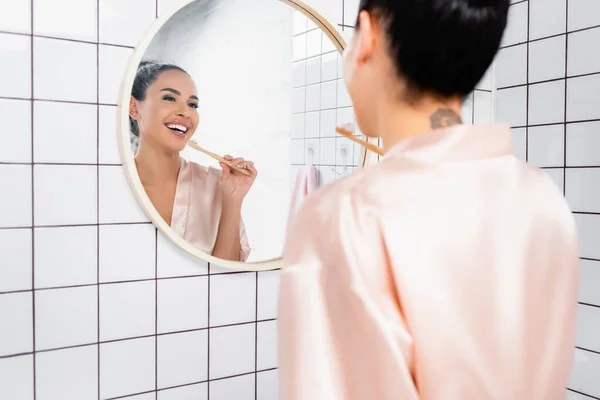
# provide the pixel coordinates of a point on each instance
(307, 181)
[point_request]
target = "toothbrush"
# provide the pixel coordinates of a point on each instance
(194, 145)
(346, 131)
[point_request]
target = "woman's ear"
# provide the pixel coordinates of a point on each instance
(133, 108)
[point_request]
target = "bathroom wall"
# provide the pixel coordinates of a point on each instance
(548, 80)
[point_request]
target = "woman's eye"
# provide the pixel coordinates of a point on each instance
(194, 105)
(169, 98)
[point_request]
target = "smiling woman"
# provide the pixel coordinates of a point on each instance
(202, 204)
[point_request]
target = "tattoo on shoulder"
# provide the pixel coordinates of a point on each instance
(444, 117)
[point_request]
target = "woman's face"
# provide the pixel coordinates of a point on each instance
(168, 116)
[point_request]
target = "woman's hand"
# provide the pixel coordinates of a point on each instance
(235, 184)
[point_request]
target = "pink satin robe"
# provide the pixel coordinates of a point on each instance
(448, 271)
(197, 208)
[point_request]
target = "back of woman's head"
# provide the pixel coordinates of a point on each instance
(441, 46)
(147, 73)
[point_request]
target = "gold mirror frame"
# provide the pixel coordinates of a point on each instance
(123, 139)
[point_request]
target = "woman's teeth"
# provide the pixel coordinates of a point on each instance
(178, 128)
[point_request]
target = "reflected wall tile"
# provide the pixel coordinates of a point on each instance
(581, 59)
(232, 298)
(511, 106)
(65, 194)
(16, 119)
(299, 73)
(15, 16)
(328, 46)
(127, 310)
(328, 95)
(547, 18)
(15, 263)
(313, 98)
(125, 22)
(482, 107)
(511, 66)
(173, 261)
(516, 29)
(66, 256)
(313, 70)
(231, 350)
(182, 358)
(327, 151)
(329, 66)
(117, 202)
(239, 388)
(583, 142)
(297, 151)
(583, 190)
(15, 203)
(16, 378)
(312, 124)
(486, 81)
(312, 151)
(268, 385)
(268, 293)
(328, 123)
(15, 66)
(343, 97)
(113, 62)
(182, 304)
(547, 103)
(16, 330)
(299, 47)
(108, 150)
(66, 317)
(299, 22)
(75, 80)
(127, 252)
(69, 374)
(298, 124)
(313, 43)
(466, 109)
(350, 11)
(546, 145)
(299, 100)
(547, 59)
(57, 142)
(583, 14)
(133, 359)
(582, 101)
(344, 153)
(79, 22)
(326, 175)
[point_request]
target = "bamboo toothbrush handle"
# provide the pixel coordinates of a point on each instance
(370, 146)
(217, 157)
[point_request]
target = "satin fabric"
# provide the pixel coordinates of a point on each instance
(197, 208)
(447, 271)
(307, 181)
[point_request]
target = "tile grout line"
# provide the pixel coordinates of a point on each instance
(32, 82)
(208, 335)
(98, 191)
(564, 171)
(527, 87)
(156, 310)
(255, 338)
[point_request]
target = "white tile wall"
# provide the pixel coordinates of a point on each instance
(553, 101)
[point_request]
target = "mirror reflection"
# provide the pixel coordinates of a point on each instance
(215, 117)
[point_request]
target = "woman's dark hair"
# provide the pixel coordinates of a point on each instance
(441, 46)
(147, 73)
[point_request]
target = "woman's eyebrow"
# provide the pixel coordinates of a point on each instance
(177, 92)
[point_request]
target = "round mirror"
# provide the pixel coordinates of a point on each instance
(227, 119)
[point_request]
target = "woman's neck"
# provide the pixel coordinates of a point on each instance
(155, 166)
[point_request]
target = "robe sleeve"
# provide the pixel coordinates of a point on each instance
(341, 331)
(245, 248)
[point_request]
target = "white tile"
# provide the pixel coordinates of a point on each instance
(557, 176)
(49, 21)
(582, 101)
(127, 310)
(329, 95)
(546, 145)
(466, 109)
(268, 385)
(585, 376)
(516, 29)
(350, 11)
(343, 97)
(15, 204)
(512, 106)
(482, 109)
(486, 81)
(15, 16)
(298, 124)
(16, 119)
(127, 252)
(588, 327)
(326, 175)
(238, 388)
(182, 304)
(588, 227)
(547, 59)
(548, 17)
(344, 153)
(16, 378)
(70, 374)
(193, 392)
(117, 203)
(267, 345)
(570, 395)
(113, 63)
(55, 141)
(297, 151)
(313, 97)
(311, 151)
(547, 103)
(15, 263)
(583, 191)
(327, 151)
(107, 130)
(182, 358)
(299, 22)
(583, 140)
(329, 66)
(70, 81)
(125, 22)
(299, 47)
(313, 70)
(173, 261)
(583, 60)
(133, 359)
(232, 298)
(299, 73)
(66, 256)
(327, 45)
(65, 194)
(231, 351)
(299, 100)
(328, 122)
(313, 43)
(583, 14)
(268, 294)
(312, 124)
(519, 140)
(16, 330)
(340, 63)
(511, 66)
(66, 317)
(15, 66)
(589, 282)
(146, 396)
